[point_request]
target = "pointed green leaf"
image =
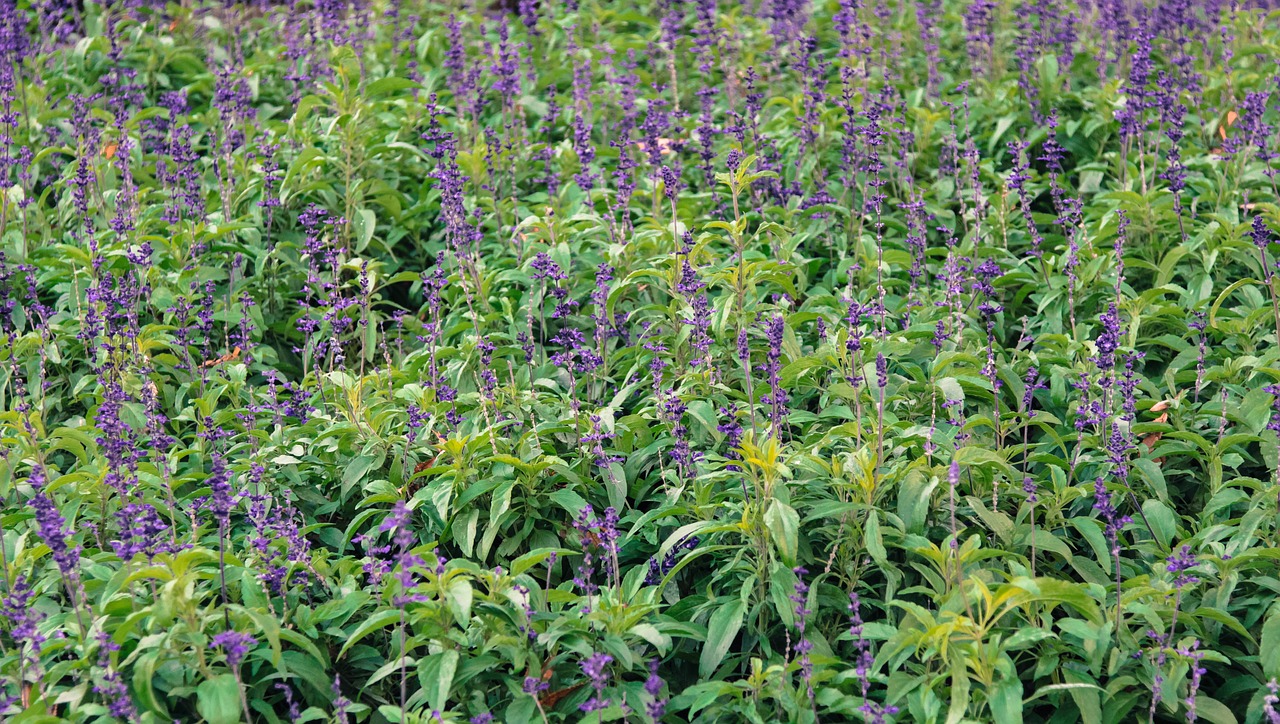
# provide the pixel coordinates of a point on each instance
(721, 632)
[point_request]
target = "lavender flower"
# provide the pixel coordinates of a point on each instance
(1274, 423)
(222, 500)
(658, 570)
(777, 398)
(800, 598)
(595, 668)
(141, 531)
(1179, 563)
(234, 644)
(16, 608)
(863, 662)
(340, 702)
(1195, 656)
(112, 687)
(403, 538)
(595, 439)
(1029, 487)
(979, 20)
(732, 431)
(290, 705)
(533, 686)
(51, 527)
(1108, 338)
(1269, 702)
(656, 706)
(1114, 521)
(599, 538)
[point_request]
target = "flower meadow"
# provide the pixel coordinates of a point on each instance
(671, 361)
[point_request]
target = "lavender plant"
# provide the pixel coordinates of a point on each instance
(665, 361)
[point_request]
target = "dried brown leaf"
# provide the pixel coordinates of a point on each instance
(1151, 439)
(231, 356)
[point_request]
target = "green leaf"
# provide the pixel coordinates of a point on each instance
(1092, 532)
(464, 531)
(1046, 541)
(1087, 699)
(980, 456)
(996, 522)
(381, 619)
(1006, 701)
(1255, 409)
(1049, 689)
(1217, 303)
(784, 525)
(365, 224)
(914, 496)
(437, 673)
(1024, 637)
(1225, 619)
(569, 500)
(1269, 650)
(1214, 711)
(388, 85)
(650, 633)
(1002, 126)
(357, 469)
(144, 672)
(533, 558)
(524, 708)
(395, 714)
(460, 597)
(875, 544)
(959, 688)
(270, 627)
(721, 632)
(1053, 590)
(1162, 520)
(218, 699)
(950, 388)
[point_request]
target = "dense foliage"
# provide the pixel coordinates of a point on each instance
(682, 361)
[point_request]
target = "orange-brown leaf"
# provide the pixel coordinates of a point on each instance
(551, 698)
(666, 146)
(416, 485)
(1151, 439)
(231, 356)
(1159, 406)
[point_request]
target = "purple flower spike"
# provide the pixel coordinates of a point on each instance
(234, 644)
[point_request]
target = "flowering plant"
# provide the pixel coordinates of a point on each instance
(666, 361)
